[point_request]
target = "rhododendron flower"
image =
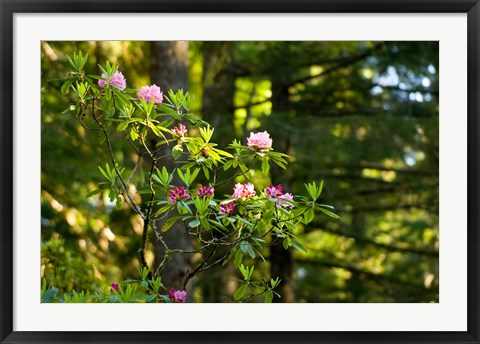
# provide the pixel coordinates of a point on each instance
(227, 208)
(151, 92)
(274, 191)
(178, 193)
(177, 295)
(114, 286)
(180, 130)
(206, 191)
(243, 190)
(206, 151)
(288, 197)
(117, 80)
(259, 141)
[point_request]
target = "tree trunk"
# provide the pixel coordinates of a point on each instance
(281, 260)
(169, 70)
(219, 86)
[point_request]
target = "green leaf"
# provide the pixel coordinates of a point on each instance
(49, 295)
(227, 165)
(104, 173)
(150, 298)
(66, 86)
(118, 203)
(112, 195)
(71, 61)
(206, 172)
(155, 130)
(244, 271)
(194, 175)
(268, 298)
(240, 292)
(108, 68)
(122, 126)
(164, 108)
(265, 166)
(94, 192)
(169, 223)
(274, 282)
(177, 151)
(194, 223)
(162, 209)
(245, 247)
(181, 175)
(133, 135)
(329, 213)
(248, 223)
(308, 216)
(320, 188)
(238, 258)
(298, 246)
(251, 272)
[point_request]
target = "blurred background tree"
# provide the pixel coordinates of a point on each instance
(362, 116)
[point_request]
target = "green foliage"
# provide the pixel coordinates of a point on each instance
(63, 269)
(143, 290)
(201, 154)
(345, 112)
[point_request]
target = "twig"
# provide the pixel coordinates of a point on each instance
(132, 203)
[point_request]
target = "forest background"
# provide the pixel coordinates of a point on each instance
(361, 116)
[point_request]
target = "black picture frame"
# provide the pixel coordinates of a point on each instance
(10, 7)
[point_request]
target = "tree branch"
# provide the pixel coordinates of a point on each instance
(413, 250)
(340, 65)
(129, 197)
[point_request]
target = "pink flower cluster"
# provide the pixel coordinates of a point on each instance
(180, 130)
(151, 92)
(243, 190)
(177, 295)
(205, 191)
(259, 141)
(178, 193)
(117, 80)
(277, 192)
(227, 208)
(114, 286)
(274, 191)
(288, 197)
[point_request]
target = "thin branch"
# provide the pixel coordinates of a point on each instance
(198, 268)
(135, 168)
(146, 222)
(388, 247)
(340, 65)
(131, 202)
(249, 105)
(380, 278)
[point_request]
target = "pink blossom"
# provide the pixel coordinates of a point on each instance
(117, 80)
(180, 130)
(274, 191)
(243, 190)
(114, 286)
(259, 141)
(151, 92)
(288, 197)
(227, 208)
(205, 191)
(177, 295)
(178, 193)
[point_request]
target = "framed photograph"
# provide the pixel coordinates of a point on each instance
(238, 171)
